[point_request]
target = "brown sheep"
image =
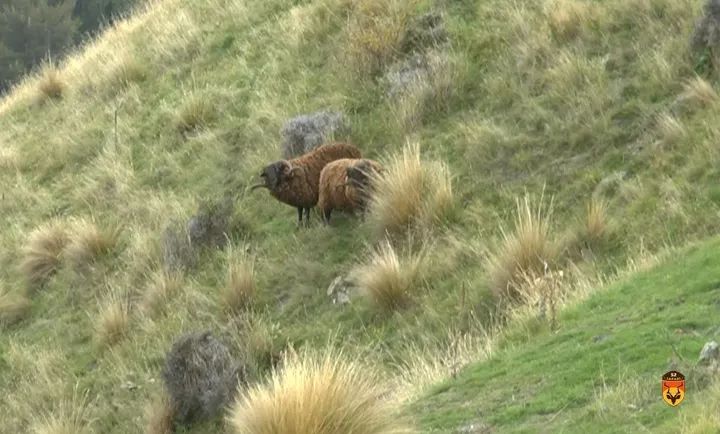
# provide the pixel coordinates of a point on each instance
(295, 181)
(345, 185)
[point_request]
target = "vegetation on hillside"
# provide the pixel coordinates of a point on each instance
(533, 150)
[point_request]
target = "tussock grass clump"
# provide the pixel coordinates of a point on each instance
(698, 91)
(524, 252)
(162, 287)
(112, 322)
(388, 278)
(13, 308)
(670, 128)
(239, 290)
(68, 418)
(88, 242)
(411, 192)
(596, 223)
(41, 255)
(129, 69)
(376, 32)
(50, 83)
(197, 111)
(568, 18)
(159, 416)
(317, 394)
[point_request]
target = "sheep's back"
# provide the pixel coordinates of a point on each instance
(332, 191)
(314, 161)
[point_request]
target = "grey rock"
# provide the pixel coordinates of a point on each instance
(710, 353)
(706, 34)
(305, 132)
(405, 75)
(339, 290)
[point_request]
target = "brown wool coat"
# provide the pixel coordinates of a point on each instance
(300, 188)
(335, 192)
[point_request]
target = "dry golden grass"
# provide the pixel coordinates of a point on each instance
(50, 84)
(159, 416)
(317, 394)
(239, 290)
(524, 252)
(375, 32)
(112, 321)
(129, 69)
(196, 111)
(597, 222)
(621, 400)
(161, 289)
(670, 128)
(568, 18)
(69, 417)
(41, 254)
(13, 308)
(88, 242)
(387, 278)
(698, 91)
(411, 192)
(703, 417)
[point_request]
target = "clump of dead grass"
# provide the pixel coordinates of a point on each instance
(112, 322)
(41, 254)
(388, 278)
(317, 394)
(412, 191)
(13, 308)
(159, 416)
(239, 290)
(526, 251)
(161, 288)
(87, 242)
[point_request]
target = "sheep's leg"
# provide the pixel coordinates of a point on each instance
(326, 216)
(299, 216)
(307, 216)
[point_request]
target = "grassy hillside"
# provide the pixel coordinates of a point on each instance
(595, 103)
(601, 371)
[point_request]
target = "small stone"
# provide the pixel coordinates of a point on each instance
(339, 290)
(710, 353)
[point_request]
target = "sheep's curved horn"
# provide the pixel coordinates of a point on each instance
(256, 186)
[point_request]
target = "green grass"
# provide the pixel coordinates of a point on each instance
(573, 97)
(601, 370)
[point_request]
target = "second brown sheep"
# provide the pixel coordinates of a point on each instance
(295, 182)
(346, 185)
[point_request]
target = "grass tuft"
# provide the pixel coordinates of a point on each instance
(376, 32)
(239, 290)
(387, 278)
(68, 418)
(112, 322)
(524, 252)
(698, 91)
(13, 308)
(597, 223)
(317, 394)
(411, 192)
(159, 416)
(88, 242)
(161, 289)
(196, 111)
(41, 255)
(50, 83)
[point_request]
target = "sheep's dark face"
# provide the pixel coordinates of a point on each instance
(274, 174)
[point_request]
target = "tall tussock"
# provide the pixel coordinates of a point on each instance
(41, 254)
(159, 416)
(412, 191)
(87, 242)
(112, 321)
(239, 290)
(524, 252)
(388, 278)
(50, 83)
(317, 394)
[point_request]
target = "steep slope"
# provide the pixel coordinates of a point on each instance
(184, 102)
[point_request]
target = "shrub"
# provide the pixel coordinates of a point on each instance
(13, 308)
(112, 322)
(200, 376)
(412, 191)
(50, 83)
(196, 111)
(316, 394)
(42, 252)
(159, 416)
(388, 278)
(88, 242)
(239, 290)
(523, 253)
